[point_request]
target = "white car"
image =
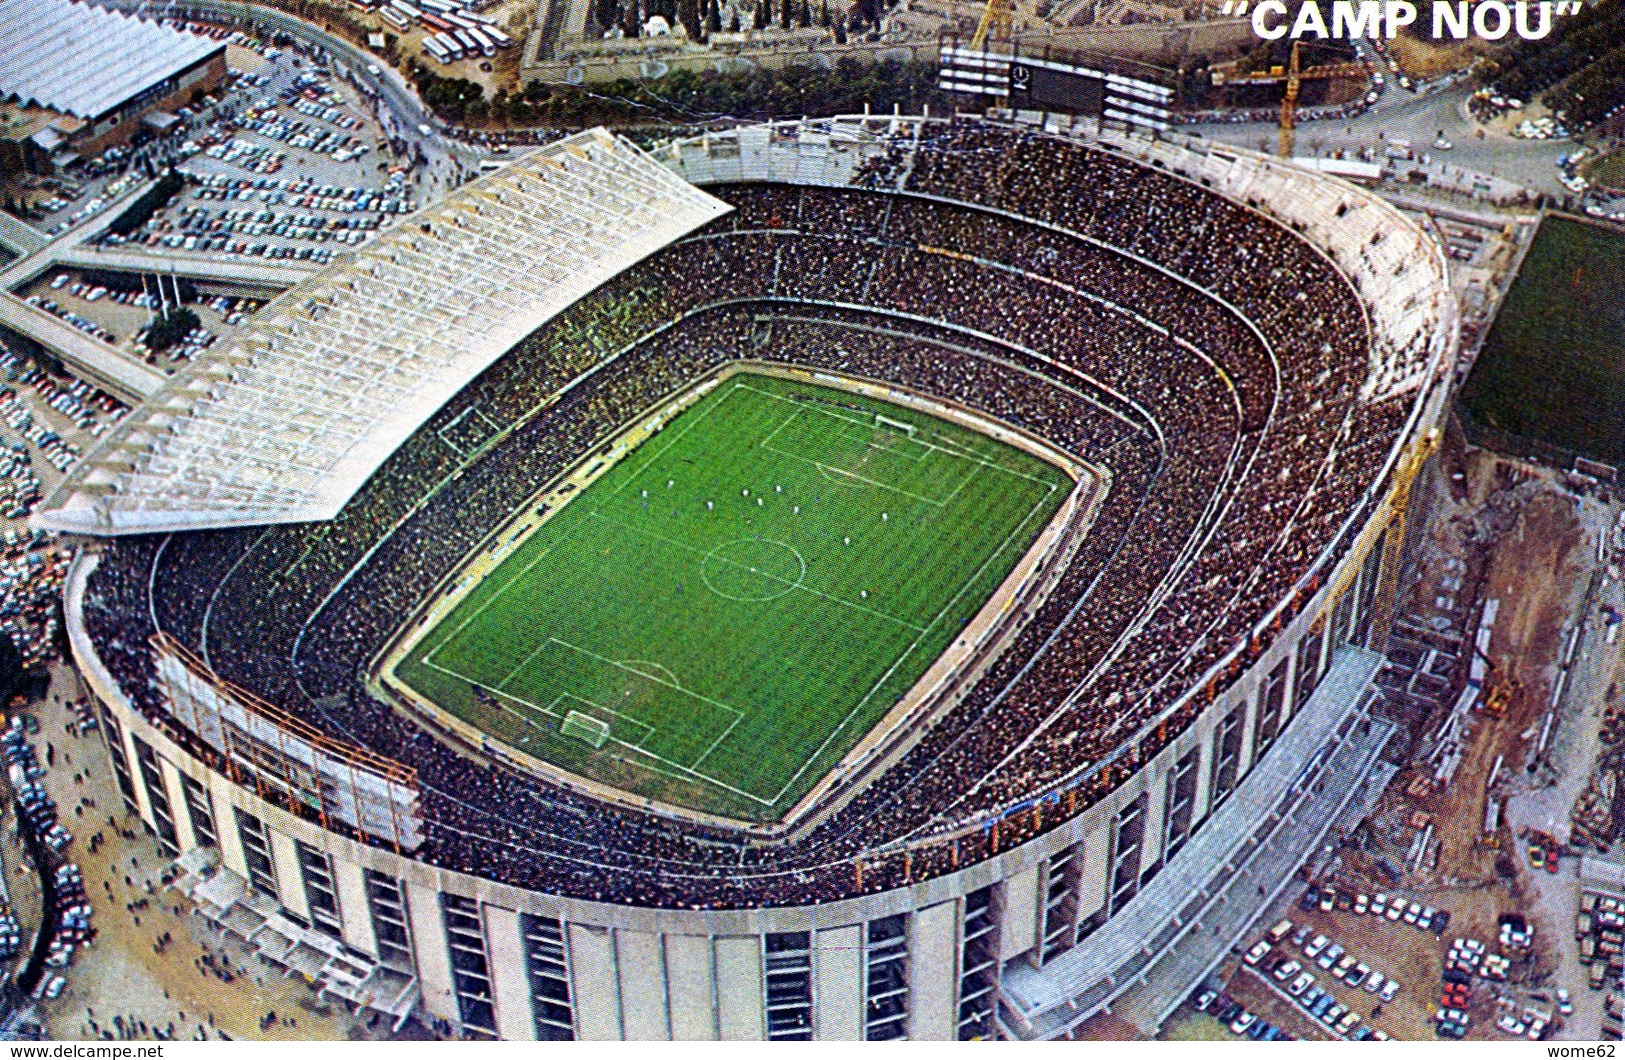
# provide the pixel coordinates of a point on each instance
(1300, 984)
(1287, 971)
(1375, 983)
(1389, 989)
(1257, 953)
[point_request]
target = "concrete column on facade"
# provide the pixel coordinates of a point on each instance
(290, 879)
(594, 983)
(1097, 868)
(1207, 729)
(640, 957)
(179, 809)
(355, 913)
(430, 954)
(838, 992)
(1249, 730)
(225, 824)
(1022, 909)
(741, 1004)
(510, 979)
(691, 985)
(1156, 812)
(933, 973)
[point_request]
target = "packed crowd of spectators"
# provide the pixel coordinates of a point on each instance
(1213, 361)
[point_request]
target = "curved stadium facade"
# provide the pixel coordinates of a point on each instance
(1149, 702)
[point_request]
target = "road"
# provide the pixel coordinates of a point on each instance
(1420, 119)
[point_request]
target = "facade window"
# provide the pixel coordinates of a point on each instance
(470, 966)
(1061, 878)
(1180, 802)
(152, 778)
(979, 965)
(257, 854)
(121, 764)
(886, 977)
(391, 928)
(1227, 756)
(1310, 655)
(548, 965)
(1128, 848)
(787, 984)
(320, 894)
(200, 811)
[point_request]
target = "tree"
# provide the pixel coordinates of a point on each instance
(171, 328)
(688, 14)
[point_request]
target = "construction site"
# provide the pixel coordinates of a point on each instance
(1484, 878)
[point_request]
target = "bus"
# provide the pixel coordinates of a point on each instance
(501, 38)
(436, 49)
(470, 45)
(488, 47)
(389, 14)
(453, 49)
(435, 22)
(406, 10)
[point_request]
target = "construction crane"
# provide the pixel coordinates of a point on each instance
(1399, 500)
(1289, 104)
(1293, 75)
(998, 17)
(1393, 544)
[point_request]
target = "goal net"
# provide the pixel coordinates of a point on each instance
(583, 727)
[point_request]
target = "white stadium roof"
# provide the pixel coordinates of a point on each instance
(286, 422)
(84, 60)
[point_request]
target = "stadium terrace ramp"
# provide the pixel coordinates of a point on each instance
(1272, 804)
(288, 421)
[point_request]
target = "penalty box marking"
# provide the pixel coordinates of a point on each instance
(638, 755)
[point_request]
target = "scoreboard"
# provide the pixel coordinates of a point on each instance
(1023, 82)
(1044, 86)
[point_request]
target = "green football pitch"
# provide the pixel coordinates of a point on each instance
(719, 617)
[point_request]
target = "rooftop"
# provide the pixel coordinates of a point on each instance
(85, 60)
(285, 423)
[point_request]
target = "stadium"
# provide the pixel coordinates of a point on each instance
(868, 577)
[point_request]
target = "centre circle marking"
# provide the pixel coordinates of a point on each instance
(752, 570)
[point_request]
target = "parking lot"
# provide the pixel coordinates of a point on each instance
(1352, 965)
(118, 309)
(287, 162)
(290, 165)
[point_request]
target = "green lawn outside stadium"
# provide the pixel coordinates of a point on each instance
(741, 597)
(1553, 366)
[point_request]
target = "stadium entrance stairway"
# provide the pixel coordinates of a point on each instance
(226, 901)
